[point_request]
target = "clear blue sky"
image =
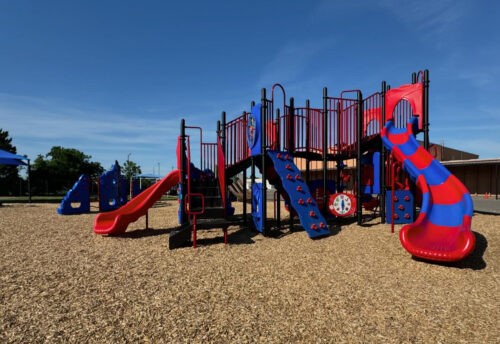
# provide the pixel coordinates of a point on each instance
(115, 77)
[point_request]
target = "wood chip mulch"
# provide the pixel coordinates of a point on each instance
(60, 283)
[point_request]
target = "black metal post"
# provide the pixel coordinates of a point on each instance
(245, 196)
(263, 138)
(413, 78)
(291, 136)
(325, 145)
(382, 159)
(278, 147)
(308, 138)
(29, 181)
(339, 161)
(359, 123)
(426, 109)
(224, 150)
(184, 218)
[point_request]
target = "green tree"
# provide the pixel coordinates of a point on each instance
(58, 170)
(131, 169)
(9, 174)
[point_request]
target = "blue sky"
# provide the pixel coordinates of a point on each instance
(115, 77)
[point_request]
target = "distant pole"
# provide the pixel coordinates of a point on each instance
(130, 176)
(29, 181)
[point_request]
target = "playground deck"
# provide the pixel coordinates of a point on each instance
(61, 283)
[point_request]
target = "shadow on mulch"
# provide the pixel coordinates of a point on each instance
(143, 233)
(474, 261)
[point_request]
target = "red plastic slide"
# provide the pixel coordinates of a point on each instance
(116, 222)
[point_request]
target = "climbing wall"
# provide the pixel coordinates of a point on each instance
(300, 198)
(79, 193)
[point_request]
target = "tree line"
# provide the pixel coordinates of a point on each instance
(53, 173)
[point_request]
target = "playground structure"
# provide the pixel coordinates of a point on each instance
(112, 193)
(377, 132)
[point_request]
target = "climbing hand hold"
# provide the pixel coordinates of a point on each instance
(278, 155)
(299, 188)
(301, 201)
(396, 216)
(395, 198)
(289, 176)
(287, 157)
(407, 216)
(288, 166)
(407, 198)
(401, 207)
(312, 213)
(322, 225)
(297, 177)
(314, 227)
(309, 200)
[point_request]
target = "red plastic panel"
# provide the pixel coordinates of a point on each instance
(413, 93)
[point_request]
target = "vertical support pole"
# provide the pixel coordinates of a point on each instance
(426, 109)
(263, 138)
(223, 144)
(413, 78)
(382, 159)
(182, 160)
(147, 219)
(325, 145)
(29, 181)
(339, 161)
(291, 137)
(359, 124)
(308, 139)
(278, 147)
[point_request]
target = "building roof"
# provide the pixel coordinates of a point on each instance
(492, 161)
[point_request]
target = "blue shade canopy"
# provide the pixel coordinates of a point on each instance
(148, 176)
(7, 158)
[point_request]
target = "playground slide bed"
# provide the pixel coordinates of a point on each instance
(61, 283)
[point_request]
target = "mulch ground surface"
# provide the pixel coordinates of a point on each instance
(60, 283)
